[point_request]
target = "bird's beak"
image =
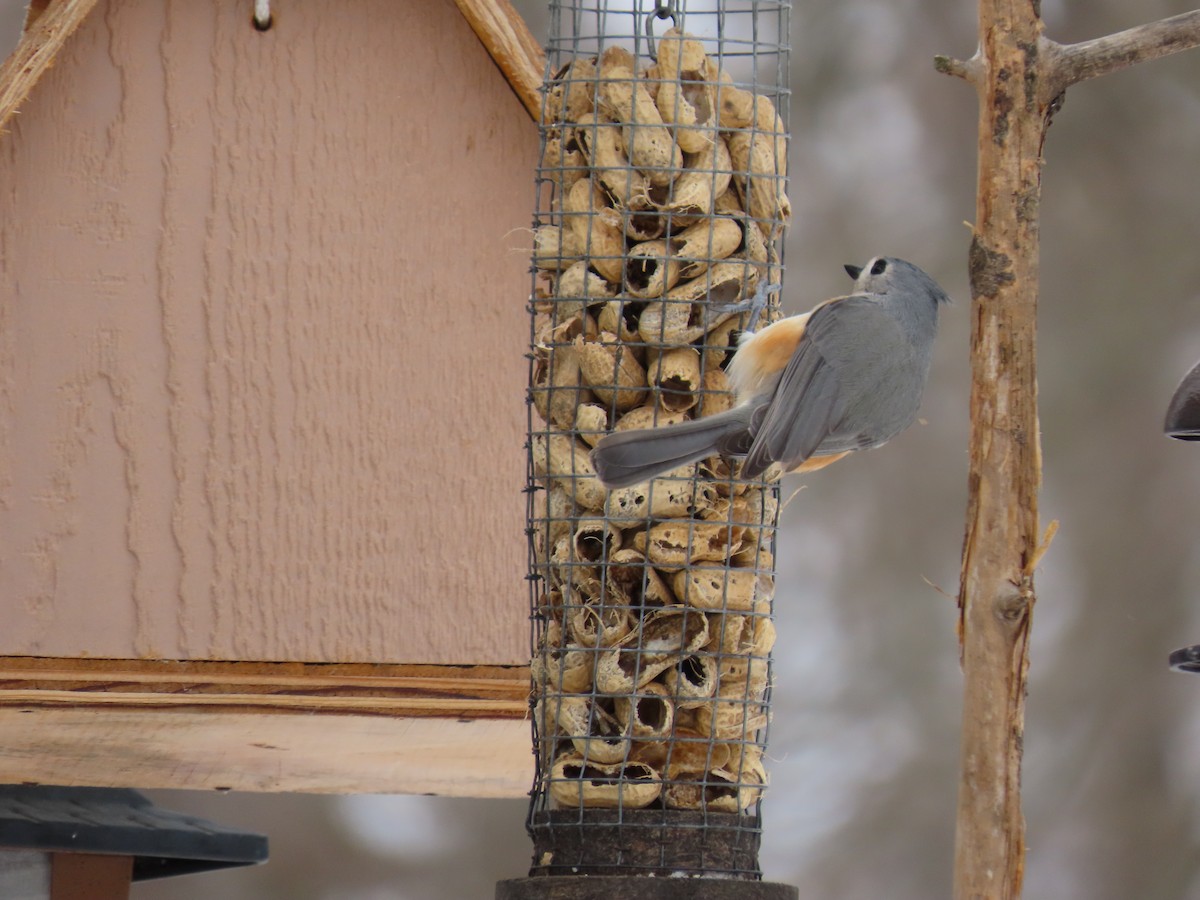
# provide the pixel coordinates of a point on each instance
(853, 271)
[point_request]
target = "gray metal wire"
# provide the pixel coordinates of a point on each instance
(660, 200)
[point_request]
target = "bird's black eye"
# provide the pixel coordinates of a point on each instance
(879, 267)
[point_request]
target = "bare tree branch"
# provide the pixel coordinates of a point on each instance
(1020, 77)
(968, 70)
(996, 597)
(1069, 64)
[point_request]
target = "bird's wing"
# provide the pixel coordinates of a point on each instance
(797, 417)
(809, 401)
(792, 424)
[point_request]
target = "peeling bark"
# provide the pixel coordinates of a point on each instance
(1020, 77)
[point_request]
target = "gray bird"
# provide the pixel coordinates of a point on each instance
(811, 388)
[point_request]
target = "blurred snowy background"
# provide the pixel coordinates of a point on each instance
(865, 740)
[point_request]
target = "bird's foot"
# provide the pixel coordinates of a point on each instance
(754, 304)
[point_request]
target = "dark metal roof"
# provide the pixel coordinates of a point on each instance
(121, 822)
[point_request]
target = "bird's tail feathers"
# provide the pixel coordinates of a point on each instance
(630, 457)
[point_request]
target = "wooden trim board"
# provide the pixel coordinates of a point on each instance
(46, 30)
(450, 730)
(407, 690)
(508, 40)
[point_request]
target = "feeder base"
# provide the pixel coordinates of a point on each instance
(640, 887)
(647, 843)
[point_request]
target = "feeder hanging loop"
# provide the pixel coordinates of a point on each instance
(664, 9)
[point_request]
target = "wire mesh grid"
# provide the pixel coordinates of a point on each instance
(660, 211)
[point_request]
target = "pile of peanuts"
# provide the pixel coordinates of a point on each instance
(663, 206)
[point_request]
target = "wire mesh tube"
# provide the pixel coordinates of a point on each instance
(660, 204)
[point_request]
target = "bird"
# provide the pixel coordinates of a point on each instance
(811, 388)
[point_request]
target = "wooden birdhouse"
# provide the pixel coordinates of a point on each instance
(263, 310)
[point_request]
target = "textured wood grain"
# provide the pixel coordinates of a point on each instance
(261, 340)
(285, 752)
(450, 691)
(458, 730)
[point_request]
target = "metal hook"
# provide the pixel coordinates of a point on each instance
(663, 9)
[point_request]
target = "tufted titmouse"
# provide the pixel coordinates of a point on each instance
(811, 388)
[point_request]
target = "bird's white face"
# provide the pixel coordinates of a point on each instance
(873, 278)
